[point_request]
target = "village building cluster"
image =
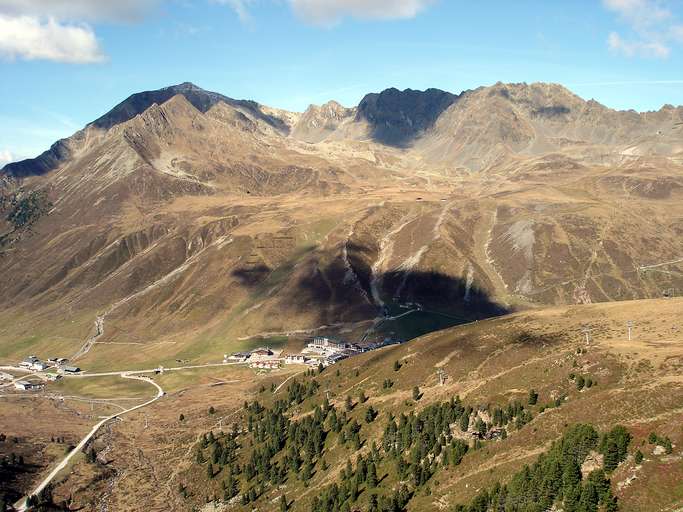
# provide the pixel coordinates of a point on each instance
(58, 363)
(320, 350)
(329, 350)
(34, 364)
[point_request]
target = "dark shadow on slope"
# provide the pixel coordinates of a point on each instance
(425, 301)
(251, 276)
(414, 303)
(399, 117)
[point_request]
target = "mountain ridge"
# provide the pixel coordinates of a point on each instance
(391, 117)
(226, 227)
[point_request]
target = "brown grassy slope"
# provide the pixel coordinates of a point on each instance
(639, 385)
(140, 458)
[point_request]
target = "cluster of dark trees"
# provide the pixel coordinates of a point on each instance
(583, 382)
(614, 447)
(271, 449)
(91, 456)
(23, 209)
(355, 480)
(514, 413)
(297, 391)
(331, 498)
(430, 430)
(556, 478)
(417, 445)
(12, 460)
(279, 448)
(653, 438)
(44, 502)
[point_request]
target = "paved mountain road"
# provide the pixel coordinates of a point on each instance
(21, 504)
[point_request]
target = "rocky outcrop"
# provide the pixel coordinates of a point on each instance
(398, 117)
(319, 122)
(201, 99)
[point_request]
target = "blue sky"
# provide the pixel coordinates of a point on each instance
(63, 63)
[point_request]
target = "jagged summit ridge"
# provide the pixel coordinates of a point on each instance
(397, 117)
(472, 129)
(201, 99)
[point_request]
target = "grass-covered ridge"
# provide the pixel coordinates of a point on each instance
(380, 431)
(303, 438)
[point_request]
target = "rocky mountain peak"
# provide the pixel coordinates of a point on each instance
(335, 110)
(397, 117)
(137, 103)
(319, 121)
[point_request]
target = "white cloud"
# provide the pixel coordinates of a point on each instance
(639, 12)
(89, 10)
(653, 27)
(5, 157)
(637, 48)
(329, 12)
(30, 38)
(56, 30)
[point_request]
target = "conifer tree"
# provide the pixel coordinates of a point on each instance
(372, 476)
(464, 422)
(638, 457)
(580, 382)
(533, 397)
(348, 403)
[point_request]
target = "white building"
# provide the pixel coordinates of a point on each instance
(38, 365)
(263, 354)
(323, 342)
(239, 357)
(296, 359)
(23, 385)
(265, 365)
(315, 362)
